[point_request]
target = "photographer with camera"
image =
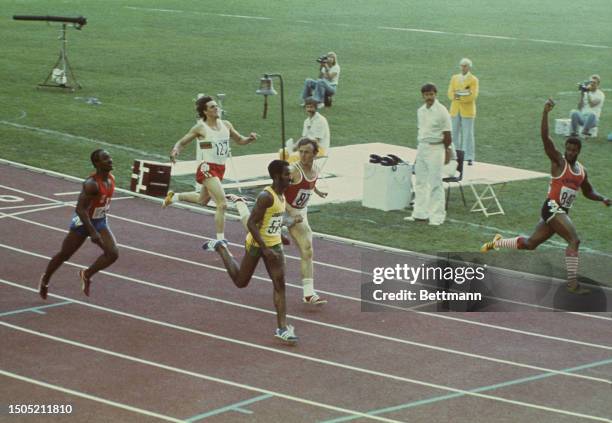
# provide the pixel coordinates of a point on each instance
(326, 85)
(589, 107)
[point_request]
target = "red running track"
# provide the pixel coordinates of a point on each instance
(166, 336)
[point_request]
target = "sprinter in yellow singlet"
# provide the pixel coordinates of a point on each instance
(264, 241)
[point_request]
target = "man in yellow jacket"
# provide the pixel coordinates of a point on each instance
(462, 92)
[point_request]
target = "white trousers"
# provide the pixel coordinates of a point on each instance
(428, 189)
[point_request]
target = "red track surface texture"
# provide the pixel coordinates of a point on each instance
(166, 336)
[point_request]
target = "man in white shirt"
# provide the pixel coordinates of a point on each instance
(434, 141)
(326, 85)
(589, 108)
(315, 128)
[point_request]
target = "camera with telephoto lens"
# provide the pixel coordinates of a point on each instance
(584, 86)
(322, 59)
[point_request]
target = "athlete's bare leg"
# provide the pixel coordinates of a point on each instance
(70, 245)
(214, 187)
(110, 255)
(302, 235)
(276, 270)
(541, 233)
(202, 198)
(563, 225)
(241, 273)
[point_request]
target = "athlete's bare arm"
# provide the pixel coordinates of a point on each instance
(556, 158)
(589, 192)
(264, 201)
(195, 132)
(320, 193)
(235, 135)
(87, 195)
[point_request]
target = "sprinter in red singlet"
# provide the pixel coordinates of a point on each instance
(568, 176)
(304, 175)
(89, 220)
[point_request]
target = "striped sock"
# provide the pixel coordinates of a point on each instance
(571, 265)
(514, 243)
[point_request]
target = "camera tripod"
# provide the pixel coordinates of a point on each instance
(61, 75)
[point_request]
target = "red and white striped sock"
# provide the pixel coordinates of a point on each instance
(514, 243)
(571, 265)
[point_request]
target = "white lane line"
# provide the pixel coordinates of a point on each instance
(89, 397)
(348, 269)
(235, 244)
(67, 193)
(323, 324)
(53, 200)
(12, 215)
(169, 229)
(342, 240)
(314, 261)
(80, 138)
(301, 356)
(26, 206)
(196, 209)
(436, 315)
(183, 371)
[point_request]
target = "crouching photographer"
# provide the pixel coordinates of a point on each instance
(327, 84)
(589, 107)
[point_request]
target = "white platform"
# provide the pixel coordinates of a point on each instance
(347, 163)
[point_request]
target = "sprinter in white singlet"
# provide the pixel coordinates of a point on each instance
(213, 137)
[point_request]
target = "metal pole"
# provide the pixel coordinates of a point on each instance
(282, 99)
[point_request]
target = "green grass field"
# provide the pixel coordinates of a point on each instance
(146, 60)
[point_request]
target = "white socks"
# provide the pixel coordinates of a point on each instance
(308, 285)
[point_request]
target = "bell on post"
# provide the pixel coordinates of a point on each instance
(265, 87)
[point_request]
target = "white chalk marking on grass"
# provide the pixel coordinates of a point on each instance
(497, 37)
(314, 322)
(155, 10)
(264, 391)
(388, 28)
(89, 397)
(189, 372)
(224, 15)
(55, 133)
(241, 16)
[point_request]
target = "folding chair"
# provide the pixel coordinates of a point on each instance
(456, 179)
(486, 200)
